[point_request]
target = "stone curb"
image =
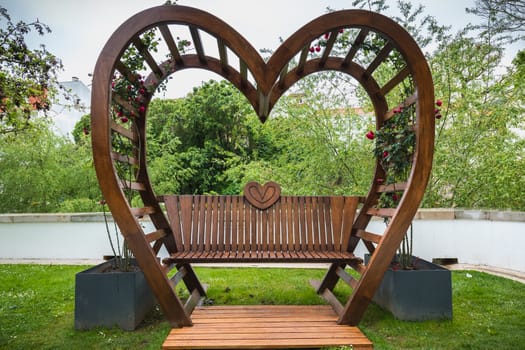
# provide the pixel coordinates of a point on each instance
(422, 214)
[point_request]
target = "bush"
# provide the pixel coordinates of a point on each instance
(79, 205)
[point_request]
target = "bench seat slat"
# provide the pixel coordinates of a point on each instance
(266, 256)
(220, 217)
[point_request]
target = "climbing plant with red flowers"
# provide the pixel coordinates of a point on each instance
(394, 149)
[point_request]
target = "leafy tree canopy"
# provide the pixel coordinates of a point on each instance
(503, 18)
(27, 76)
(192, 141)
(313, 143)
(43, 172)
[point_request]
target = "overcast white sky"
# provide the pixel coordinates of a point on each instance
(81, 27)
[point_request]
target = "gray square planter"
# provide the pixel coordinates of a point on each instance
(111, 298)
(424, 293)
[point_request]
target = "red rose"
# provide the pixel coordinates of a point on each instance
(312, 49)
(318, 48)
(385, 154)
(439, 103)
(370, 135)
(124, 119)
(395, 197)
(380, 181)
(142, 109)
(438, 116)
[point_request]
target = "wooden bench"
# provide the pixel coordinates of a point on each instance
(261, 226)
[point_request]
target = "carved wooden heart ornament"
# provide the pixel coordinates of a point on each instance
(262, 196)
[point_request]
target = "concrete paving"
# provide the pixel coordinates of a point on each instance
(52, 261)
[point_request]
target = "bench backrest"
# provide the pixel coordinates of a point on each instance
(237, 223)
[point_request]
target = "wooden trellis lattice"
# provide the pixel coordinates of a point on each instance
(263, 83)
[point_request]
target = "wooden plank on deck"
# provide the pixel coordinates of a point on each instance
(265, 327)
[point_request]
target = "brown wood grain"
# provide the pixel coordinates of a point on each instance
(360, 38)
(265, 327)
(123, 131)
(143, 50)
(301, 227)
(252, 229)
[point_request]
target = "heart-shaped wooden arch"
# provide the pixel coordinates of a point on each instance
(270, 81)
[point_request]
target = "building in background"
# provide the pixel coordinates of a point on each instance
(70, 106)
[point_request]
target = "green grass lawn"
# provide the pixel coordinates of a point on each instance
(37, 310)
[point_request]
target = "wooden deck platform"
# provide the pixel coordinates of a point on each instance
(265, 327)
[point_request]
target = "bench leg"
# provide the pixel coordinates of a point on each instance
(325, 287)
(330, 279)
(191, 280)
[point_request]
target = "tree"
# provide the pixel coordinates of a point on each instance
(478, 156)
(192, 141)
(319, 138)
(43, 172)
(27, 76)
(477, 153)
(425, 29)
(504, 18)
(82, 129)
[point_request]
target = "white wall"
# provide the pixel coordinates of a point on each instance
(474, 237)
(59, 240)
(479, 242)
(49, 236)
